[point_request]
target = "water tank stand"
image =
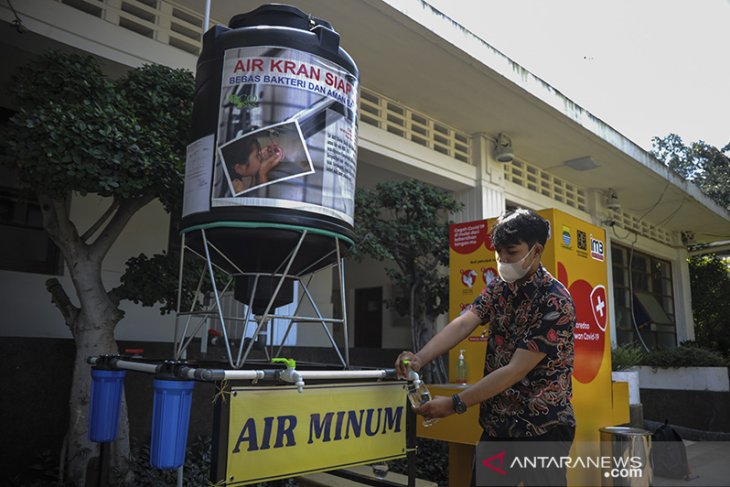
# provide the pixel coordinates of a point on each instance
(188, 324)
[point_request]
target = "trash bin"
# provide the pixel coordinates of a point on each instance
(626, 457)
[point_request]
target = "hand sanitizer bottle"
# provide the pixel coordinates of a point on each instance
(461, 369)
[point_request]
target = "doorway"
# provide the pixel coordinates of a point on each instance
(369, 317)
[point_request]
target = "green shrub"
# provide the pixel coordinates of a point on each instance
(43, 472)
(626, 356)
(710, 282)
(684, 356)
(196, 470)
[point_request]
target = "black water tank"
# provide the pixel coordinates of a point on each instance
(274, 142)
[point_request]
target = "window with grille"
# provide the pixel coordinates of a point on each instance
(642, 286)
(24, 244)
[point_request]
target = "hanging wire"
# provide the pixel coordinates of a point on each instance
(18, 22)
(631, 254)
(659, 200)
(628, 234)
(681, 204)
(631, 300)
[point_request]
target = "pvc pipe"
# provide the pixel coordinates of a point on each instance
(295, 376)
(206, 18)
(139, 367)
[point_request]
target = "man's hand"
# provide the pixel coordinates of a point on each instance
(438, 407)
(413, 361)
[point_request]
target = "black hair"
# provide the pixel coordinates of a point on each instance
(245, 147)
(520, 225)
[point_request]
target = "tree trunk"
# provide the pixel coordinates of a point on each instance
(93, 330)
(92, 323)
(435, 372)
(424, 328)
(95, 341)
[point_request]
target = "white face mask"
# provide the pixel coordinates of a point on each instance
(510, 272)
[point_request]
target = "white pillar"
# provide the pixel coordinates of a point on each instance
(486, 198)
(611, 296)
(682, 297)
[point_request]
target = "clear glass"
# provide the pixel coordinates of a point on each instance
(418, 397)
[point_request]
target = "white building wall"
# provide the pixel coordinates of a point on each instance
(27, 307)
(69, 26)
(28, 311)
(320, 288)
(397, 155)
(486, 198)
(396, 330)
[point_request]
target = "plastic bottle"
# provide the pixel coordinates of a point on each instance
(418, 396)
(461, 369)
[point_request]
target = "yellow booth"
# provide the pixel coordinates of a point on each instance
(576, 255)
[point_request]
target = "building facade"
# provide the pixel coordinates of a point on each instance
(434, 100)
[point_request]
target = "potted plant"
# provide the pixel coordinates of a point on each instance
(686, 367)
(624, 362)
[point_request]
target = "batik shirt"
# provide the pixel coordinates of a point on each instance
(536, 315)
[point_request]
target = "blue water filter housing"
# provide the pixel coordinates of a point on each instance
(107, 387)
(170, 421)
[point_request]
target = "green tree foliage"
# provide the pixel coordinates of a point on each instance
(703, 164)
(406, 224)
(154, 280)
(709, 168)
(710, 282)
(76, 131)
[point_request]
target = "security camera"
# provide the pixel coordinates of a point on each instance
(612, 202)
(503, 149)
(688, 237)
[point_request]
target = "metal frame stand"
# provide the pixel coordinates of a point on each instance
(230, 324)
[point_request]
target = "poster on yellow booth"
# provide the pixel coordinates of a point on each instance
(576, 255)
(471, 267)
(277, 432)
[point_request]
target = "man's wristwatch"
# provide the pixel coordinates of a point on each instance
(459, 406)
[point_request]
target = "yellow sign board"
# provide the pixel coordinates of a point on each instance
(277, 432)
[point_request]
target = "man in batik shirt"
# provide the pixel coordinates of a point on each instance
(524, 396)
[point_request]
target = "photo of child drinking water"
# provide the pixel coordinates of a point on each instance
(251, 161)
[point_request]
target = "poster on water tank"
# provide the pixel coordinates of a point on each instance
(287, 133)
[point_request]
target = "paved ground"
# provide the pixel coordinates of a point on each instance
(709, 462)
